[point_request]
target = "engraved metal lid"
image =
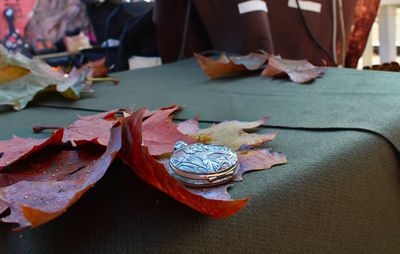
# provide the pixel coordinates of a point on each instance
(200, 165)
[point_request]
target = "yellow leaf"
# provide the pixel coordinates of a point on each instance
(232, 134)
(12, 72)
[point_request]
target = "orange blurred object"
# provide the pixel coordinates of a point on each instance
(364, 17)
(22, 9)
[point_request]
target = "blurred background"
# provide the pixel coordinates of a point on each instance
(138, 34)
(384, 41)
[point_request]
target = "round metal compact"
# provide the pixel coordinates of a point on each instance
(201, 165)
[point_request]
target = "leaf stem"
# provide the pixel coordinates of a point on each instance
(114, 80)
(40, 128)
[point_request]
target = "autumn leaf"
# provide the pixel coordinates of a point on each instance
(299, 71)
(11, 72)
(229, 133)
(98, 66)
(41, 78)
(189, 126)
(41, 178)
(34, 203)
(18, 148)
(258, 159)
(48, 164)
(160, 134)
(137, 156)
(228, 65)
(232, 134)
(94, 129)
(3, 207)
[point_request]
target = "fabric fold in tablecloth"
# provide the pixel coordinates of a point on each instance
(342, 98)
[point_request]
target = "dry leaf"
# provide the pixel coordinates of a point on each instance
(160, 134)
(41, 78)
(42, 178)
(189, 126)
(228, 65)
(3, 207)
(34, 203)
(93, 128)
(258, 159)
(151, 171)
(232, 134)
(299, 71)
(48, 164)
(98, 67)
(18, 148)
(12, 72)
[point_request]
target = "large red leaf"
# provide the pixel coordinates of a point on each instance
(93, 128)
(34, 203)
(49, 164)
(160, 134)
(18, 148)
(299, 71)
(138, 157)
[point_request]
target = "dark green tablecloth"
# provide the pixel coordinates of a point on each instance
(339, 193)
(343, 98)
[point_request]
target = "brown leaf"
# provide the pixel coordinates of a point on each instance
(160, 134)
(299, 71)
(48, 164)
(94, 129)
(35, 203)
(228, 65)
(98, 67)
(18, 148)
(232, 134)
(258, 159)
(138, 157)
(252, 61)
(12, 72)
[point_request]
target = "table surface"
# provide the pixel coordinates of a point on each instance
(338, 193)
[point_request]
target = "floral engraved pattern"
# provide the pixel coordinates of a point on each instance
(204, 159)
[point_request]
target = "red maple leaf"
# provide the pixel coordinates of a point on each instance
(160, 134)
(33, 203)
(94, 128)
(18, 148)
(135, 154)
